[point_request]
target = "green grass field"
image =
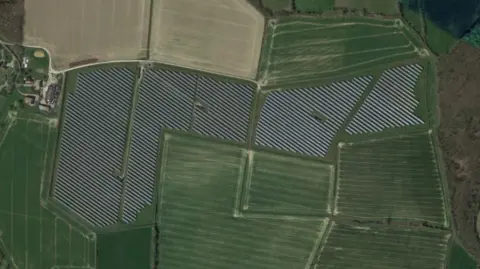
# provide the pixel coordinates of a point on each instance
(32, 235)
(314, 6)
(129, 249)
(277, 5)
(460, 259)
(380, 248)
(199, 228)
(393, 178)
(438, 40)
(308, 49)
(281, 184)
(413, 18)
(39, 66)
(385, 7)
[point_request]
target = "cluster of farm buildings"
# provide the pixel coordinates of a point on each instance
(45, 94)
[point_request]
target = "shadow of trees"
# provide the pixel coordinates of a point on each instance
(453, 16)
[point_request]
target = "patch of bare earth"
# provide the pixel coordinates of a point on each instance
(11, 20)
(459, 134)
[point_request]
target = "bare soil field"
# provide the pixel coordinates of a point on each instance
(11, 20)
(220, 36)
(75, 30)
(459, 135)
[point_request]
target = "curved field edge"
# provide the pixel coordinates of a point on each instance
(299, 27)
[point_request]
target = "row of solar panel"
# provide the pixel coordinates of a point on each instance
(95, 130)
(300, 120)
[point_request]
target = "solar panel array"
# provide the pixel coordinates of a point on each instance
(92, 145)
(286, 121)
(165, 100)
(226, 108)
(391, 103)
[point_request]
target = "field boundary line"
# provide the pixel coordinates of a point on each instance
(346, 67)
(329, 26)
(319, 243)
(273, 24)
(439, 163)
(7, 253)
(331, 41)
(161, 180)
(58, 213)
(323, 241)
(388, 137)
(331, 190)
(26, 200)
(197, 59)
(11, 122)
(342, 23)
(330, 56)
(254, 60)
(11, 217)
(335, 211)
(128, 139)
(281, 216)
(240, 199)
(45, 158)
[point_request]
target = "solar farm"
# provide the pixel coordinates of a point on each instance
(328, 159)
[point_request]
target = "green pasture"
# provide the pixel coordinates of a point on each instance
(33, 236)
(379, 248)
(282, 184)
(385, 7)
(314, 6)
(395, 178)
(38, 66)
(460, 259)
(277, 5)
(199, 223)
(309, 49)
(414, 18)
(129, 249)
(438, 40)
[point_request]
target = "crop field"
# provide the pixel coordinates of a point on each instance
(413, 17)
(395, 178)
(379, 248)
(392, 102)
(125, 249)
(306, 120)
(438, 40)
(385, 7)
(277, 5)
(281, 184)
(32, 235)
(307, 49)
(314, 5)
(218, 36)
(200, 189)
(460, 259)
(104, 30)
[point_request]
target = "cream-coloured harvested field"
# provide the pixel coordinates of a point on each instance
(220, 36)
(76, 30)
